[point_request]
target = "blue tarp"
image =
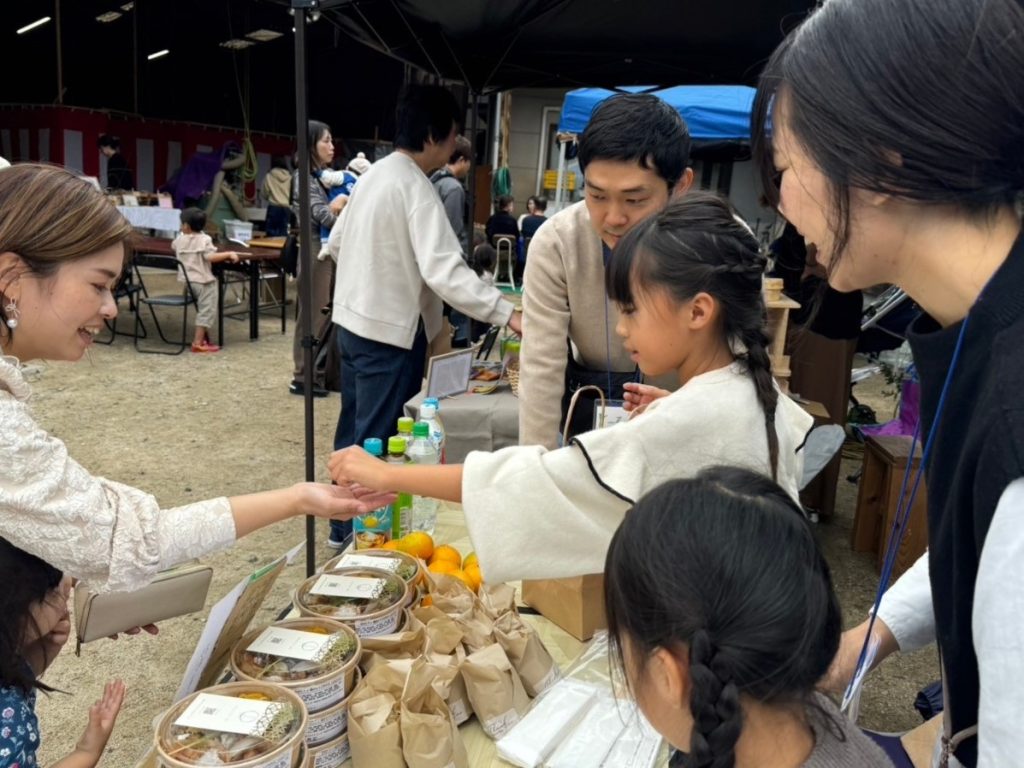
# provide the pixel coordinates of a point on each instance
(713, 112)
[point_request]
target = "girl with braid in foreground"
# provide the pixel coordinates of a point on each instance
(722, 617)
(687, 282)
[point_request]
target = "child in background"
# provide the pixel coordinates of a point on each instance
(34, 602)
(483, 260)
(687, 282)
(722, 617)
(196, 251)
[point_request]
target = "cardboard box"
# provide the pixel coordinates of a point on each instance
(576, 604)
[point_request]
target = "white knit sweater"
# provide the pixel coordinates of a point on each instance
(113, 536)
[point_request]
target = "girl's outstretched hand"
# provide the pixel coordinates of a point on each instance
(102, 716)
(340, 501)
(638, 396)
(355, 466)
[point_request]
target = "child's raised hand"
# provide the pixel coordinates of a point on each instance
(354, 465)
(102, 716)
(639, 396)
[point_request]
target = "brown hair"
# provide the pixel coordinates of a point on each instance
(50, 217)
(463, 150)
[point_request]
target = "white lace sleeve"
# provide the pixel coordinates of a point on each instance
(113, 536)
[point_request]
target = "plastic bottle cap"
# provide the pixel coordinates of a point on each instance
(373, 446)
(405, 424)
(432, 401)
(428, 411)
(396, 444)
(421, 429)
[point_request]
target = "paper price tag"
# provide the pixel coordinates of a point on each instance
(369, 561)
(291, 643)
(349, 586)
(229, 715)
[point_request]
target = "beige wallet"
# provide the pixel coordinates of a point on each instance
(172, 593)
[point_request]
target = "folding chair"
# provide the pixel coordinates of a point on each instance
(127, 288)
(506, 247)
(184, 299)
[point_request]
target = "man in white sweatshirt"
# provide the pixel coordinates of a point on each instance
(398, 260)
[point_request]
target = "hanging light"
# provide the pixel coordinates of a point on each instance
(33, 25)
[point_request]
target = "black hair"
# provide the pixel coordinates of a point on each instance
(314, 130)
(638, 128)
(424, 112)
(195, 218)
(106, 140)
(483, 259)
(919, 99)
(540, 203)
(501, 202)
(27, 580)
(723, 569)
(280, 161)
(696, 244)
(463, 150)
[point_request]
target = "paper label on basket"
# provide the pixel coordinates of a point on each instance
(292, 644)
(349, 586)
(368, 561)
(228, 714)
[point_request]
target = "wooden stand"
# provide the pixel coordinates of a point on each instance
(778, 307)
(885, 461)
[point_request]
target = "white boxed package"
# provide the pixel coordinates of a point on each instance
(544, 727)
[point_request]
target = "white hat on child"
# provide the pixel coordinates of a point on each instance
(359, 164)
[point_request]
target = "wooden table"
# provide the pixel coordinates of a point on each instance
(259, 252)
(885, 462)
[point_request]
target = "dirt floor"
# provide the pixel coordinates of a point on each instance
(190, 427)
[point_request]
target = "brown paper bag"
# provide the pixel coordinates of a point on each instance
(401, 645)
(497, 599)
(495, 690)
(450, 595)
(430, 738)
(443, 634)
(527, 653)
(450, 684)
(374, 733)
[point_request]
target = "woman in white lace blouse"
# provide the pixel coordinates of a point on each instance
(62, 248)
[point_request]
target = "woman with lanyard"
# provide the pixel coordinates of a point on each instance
(894, 132)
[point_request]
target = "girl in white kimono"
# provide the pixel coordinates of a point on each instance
(687, 282)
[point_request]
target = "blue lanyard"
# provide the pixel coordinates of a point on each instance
(899, 525)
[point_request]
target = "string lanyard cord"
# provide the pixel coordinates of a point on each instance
(906, 503)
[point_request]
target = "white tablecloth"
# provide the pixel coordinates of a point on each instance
(152, 217)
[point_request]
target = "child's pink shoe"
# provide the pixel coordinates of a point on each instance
(205, 347)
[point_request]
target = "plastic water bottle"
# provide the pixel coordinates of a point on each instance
(422, 451)
(428, 413)
(374, 528)
(401, 510)
(405, 429)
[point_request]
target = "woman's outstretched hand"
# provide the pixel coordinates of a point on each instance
(638, 396)
(354, 466)
(342, 501)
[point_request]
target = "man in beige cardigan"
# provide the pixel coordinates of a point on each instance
(633, 156)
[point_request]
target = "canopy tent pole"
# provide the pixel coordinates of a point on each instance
(471, 208)
(562, 145)
(305, 255)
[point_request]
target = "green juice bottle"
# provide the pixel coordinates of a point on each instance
(401, 510)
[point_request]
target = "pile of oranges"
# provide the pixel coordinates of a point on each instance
(441, 559)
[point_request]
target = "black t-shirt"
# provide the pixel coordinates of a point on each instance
(119, 175)
(501, 224)
(531, 224)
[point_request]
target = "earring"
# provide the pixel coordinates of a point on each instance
(13, 313)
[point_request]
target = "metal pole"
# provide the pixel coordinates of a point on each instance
(471, 213)
(305, 260)
(135, 56)
(60, 63)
